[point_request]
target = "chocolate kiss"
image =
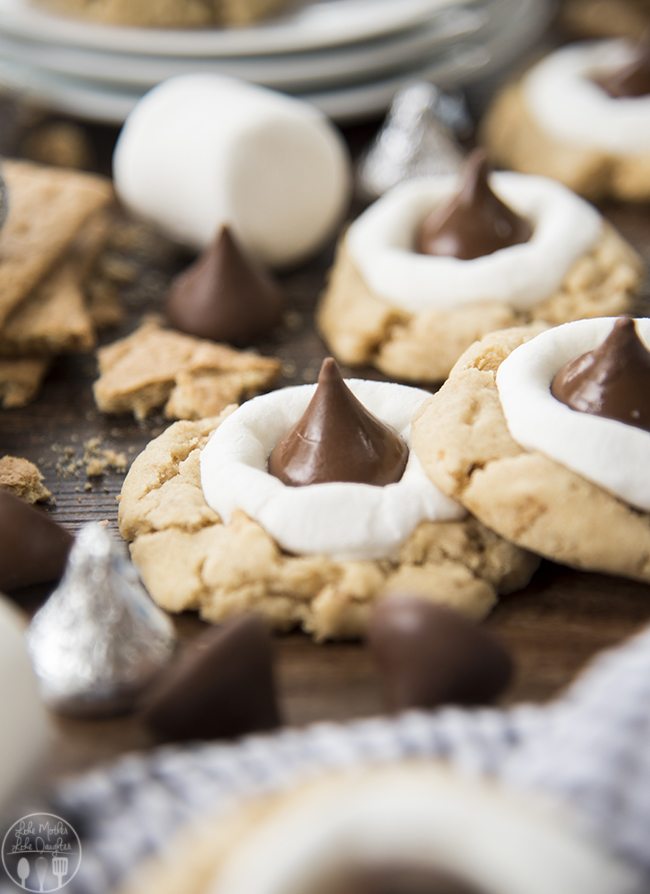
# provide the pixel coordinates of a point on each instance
(397, 879)
(224, 295)
(337, 439)
(429, 655)
(33, 548)
(222, 688)
(611, 381)
(475, 222)
(630, 81)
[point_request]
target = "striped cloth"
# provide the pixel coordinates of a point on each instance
(590, 748)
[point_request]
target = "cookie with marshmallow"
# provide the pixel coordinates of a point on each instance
(582, 116)
(307, 505)
(437, 263)
(409, 827)
(545, 437)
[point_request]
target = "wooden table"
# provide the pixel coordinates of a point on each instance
(553, 627)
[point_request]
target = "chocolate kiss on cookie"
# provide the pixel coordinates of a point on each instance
(429, 655)
(630, 81)
(33, 548)
(224, 295)
(397, 879)
(611, 381)
(221, 688)
(337, 439)
(475, 222)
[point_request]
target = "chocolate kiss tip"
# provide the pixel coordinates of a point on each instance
(329, 371)
(338, 440)
(475, 222)
(224, 295)
(612, 380)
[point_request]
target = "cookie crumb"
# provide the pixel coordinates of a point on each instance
(24, 479)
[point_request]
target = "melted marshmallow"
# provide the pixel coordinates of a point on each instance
(565, 101)
(346, 521)
(381, 244)
(611, 454)
(497, 840)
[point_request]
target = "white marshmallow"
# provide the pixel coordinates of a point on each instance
(498, 840)
(381, 243)
(200, 151)
(611, 454)
(342, 519)
(566, 102)
(24, 719)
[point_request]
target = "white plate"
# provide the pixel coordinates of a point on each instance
(281, 71)
(355, 103)
(322, 24)
(453, 65)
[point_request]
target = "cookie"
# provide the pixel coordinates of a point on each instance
(20, 380)
(23, 479)
(48, 206)
(190, 559)
(464, 844)
(189, 377)
(555, 121)
(412, 315)
(465, 446)
(168, 13)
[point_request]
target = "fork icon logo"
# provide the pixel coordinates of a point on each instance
(41, 852)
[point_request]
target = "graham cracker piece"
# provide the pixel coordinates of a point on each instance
(103, 303)
(20, 380)
(192, 378)
(54, 318)
(22, 478)
(48, 207)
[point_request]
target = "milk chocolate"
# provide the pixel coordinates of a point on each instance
(225, 296)
(338, 439)
(612, 381)
(400, 879)
(475, 222)
(429, 655)
(33, 548)
(223, 686)
(630, 81)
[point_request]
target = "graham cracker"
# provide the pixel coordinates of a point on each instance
(20, 380)
(54, 318)
(47, 208)
(192, 378)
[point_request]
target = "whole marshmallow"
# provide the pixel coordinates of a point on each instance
(24, 720)
(200, 151)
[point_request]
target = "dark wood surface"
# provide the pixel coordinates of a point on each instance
(552, 628)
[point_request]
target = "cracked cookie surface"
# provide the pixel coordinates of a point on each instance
(515, 140)
(189, 559)
(362, 328)
(463, 443)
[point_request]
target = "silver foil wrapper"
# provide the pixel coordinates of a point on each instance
(99, 639)
(418, 139)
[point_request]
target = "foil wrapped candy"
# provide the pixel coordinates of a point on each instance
(99, 639)
(419, 138)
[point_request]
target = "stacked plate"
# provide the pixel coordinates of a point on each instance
(348, 57)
